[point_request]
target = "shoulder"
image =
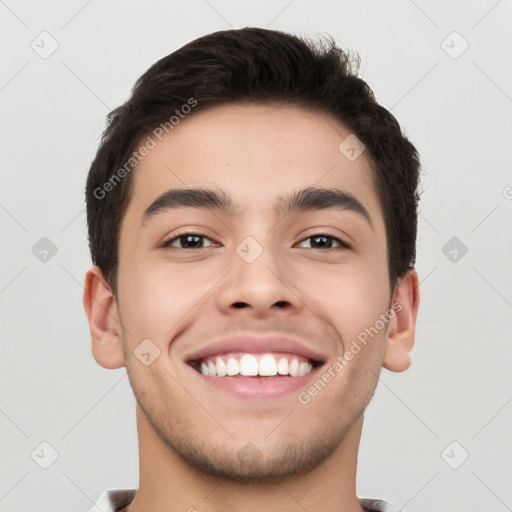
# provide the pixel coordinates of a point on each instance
(374, 505)
(113, 500)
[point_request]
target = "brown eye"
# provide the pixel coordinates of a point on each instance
(188, 241)
(324, 241)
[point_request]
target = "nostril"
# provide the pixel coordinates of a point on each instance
(281, 303)
(240, 304)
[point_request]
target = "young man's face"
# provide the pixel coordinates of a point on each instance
(262, 274)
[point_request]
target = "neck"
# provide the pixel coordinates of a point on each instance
(169, 484)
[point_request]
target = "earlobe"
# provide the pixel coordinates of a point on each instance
(402, 328)
(103, 317)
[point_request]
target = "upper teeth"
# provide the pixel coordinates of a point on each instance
(248, 365)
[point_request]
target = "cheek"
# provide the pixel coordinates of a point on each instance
(349, 299)
(156, 296)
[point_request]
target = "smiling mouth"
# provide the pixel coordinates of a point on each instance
(248, 365)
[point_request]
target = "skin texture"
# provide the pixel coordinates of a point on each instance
(203, 449)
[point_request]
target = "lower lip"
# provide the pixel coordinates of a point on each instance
(254, 387)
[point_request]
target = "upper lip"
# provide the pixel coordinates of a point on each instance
(257, 344)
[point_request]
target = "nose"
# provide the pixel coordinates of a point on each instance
(260, 284)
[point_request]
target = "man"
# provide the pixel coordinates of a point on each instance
(252, 217)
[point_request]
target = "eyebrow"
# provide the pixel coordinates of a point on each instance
(303, 200)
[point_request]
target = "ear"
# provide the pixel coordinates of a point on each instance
(104, 324)
(402, 327)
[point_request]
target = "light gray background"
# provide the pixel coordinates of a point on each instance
(458, 113)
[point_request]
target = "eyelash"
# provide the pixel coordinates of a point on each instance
(343, 244)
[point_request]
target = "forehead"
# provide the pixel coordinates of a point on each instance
(256, 154)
